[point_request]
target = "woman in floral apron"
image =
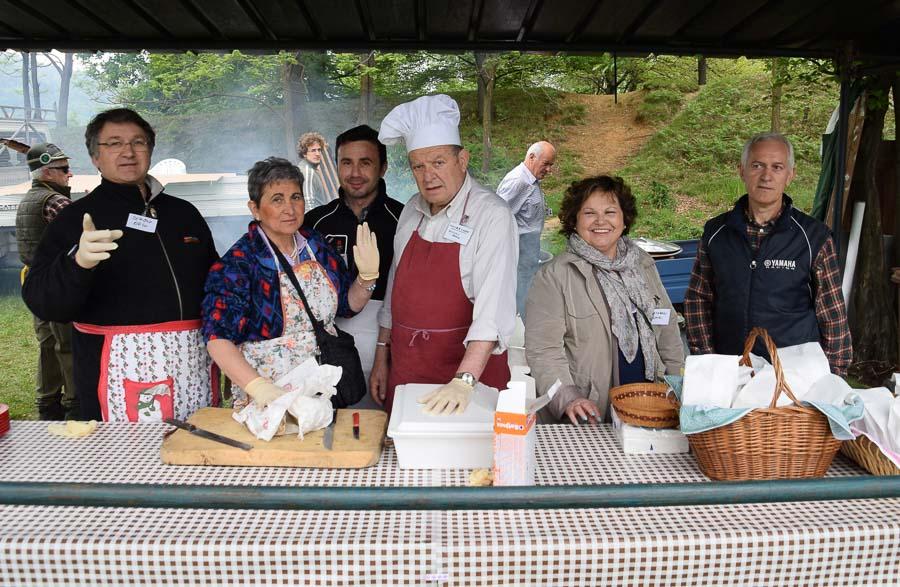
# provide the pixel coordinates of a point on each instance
(253, 318)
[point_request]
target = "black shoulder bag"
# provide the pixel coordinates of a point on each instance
(339, 350)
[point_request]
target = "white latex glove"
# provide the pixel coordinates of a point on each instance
(94, 245)
(452, 398)
(365, 253)
(262, 391)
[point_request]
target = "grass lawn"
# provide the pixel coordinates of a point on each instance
(18, 358)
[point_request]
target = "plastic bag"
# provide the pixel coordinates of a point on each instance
(305, 407)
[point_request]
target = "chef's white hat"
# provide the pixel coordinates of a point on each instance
(428, 121)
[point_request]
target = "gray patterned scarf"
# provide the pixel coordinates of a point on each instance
(624, 288)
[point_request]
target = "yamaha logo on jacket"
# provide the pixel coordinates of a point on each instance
(773, 287)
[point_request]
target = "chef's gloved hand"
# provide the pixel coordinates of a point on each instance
(94, 245)
(452, 398)
(365, 253)
(263, 391)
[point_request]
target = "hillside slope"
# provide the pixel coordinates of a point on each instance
(688, 170)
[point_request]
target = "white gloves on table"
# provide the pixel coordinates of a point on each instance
(452, 398)
(263, 391)
(94, 245)
(365, 253)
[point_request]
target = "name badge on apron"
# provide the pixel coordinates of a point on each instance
(661, 317)
(142, 223)
(457, 233)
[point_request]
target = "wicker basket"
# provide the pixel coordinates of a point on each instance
(768, 443)
(868, 456)
(645, 404)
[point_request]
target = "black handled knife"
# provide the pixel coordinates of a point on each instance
(207, 434)
(328, 438)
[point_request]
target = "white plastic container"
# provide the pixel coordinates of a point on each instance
(463, 441)
(639, 440)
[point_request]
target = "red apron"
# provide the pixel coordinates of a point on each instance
(150, 372)
(430, 315)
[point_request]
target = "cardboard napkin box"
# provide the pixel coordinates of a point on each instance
(640, 440)
(459, 441)
(515, 437)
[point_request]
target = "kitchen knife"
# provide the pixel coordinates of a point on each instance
(328, 439)
(207, 434)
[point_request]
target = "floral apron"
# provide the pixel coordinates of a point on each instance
(150, 372)
(275, 357)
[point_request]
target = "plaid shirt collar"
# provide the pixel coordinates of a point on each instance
(741, 218)
(769, 225)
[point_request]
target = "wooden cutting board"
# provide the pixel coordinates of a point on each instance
(184, 448)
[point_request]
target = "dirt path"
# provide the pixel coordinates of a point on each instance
(610, 135)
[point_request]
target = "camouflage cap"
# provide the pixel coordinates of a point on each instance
(42, 154)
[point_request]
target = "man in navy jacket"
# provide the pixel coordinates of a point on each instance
(766, 263)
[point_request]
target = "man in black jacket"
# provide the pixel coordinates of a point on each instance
(766, 263)
(361, 164)
(127, 264)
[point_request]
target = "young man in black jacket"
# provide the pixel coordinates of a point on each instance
(361, 164)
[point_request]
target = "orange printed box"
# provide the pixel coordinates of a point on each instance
(514, 438)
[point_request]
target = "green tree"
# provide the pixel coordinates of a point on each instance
(186, 82)
(600, 74)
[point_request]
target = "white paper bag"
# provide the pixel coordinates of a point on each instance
(310, 387)
(710, 380)
(758, 392)
(803, 365)
(893, 426)
(878, 404)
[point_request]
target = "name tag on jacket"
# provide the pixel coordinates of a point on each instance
(142, 223)
(661, 317)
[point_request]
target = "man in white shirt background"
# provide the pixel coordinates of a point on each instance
(521, 188)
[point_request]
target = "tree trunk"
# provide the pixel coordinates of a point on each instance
(26, 85)
(487, 72)
(36, 88)
(294, 104)
(777, 87)
(65, 80)
(289, 132)
(479, 82)
(366, 98)
(487, 126)
(312, 66)
(875, 324)
(895, 89)
(701, 71)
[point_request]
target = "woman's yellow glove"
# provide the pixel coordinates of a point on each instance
(365, 253)
(263, 391)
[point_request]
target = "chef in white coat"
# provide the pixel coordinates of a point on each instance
(450, 305)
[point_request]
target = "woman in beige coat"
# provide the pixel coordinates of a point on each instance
(598, 316)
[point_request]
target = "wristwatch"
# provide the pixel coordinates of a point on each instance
(466, 378)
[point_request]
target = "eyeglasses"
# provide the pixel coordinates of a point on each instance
(137, 145)
(63, 168)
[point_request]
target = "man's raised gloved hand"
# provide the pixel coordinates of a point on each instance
(94, 245)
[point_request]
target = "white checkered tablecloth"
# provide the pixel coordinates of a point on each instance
(813, 543)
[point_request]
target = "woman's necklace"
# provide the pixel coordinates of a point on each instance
(296, 251)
